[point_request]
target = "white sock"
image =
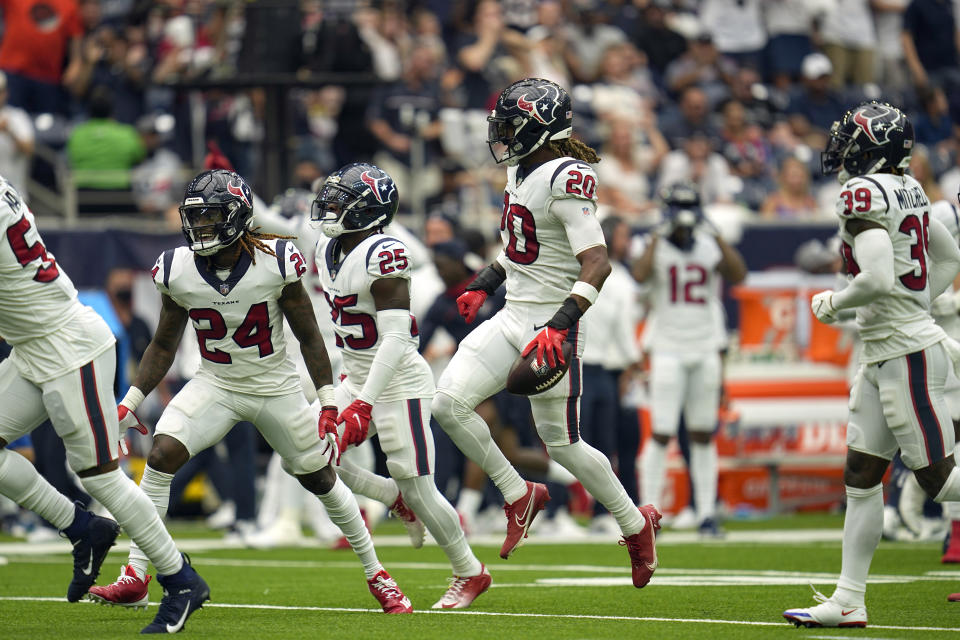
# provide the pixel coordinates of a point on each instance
(20, 481)
(469, 503)
(343, 510)
(653, 472)
(367, 483)
(862, 527)
(594, 472)
(440, 518)
(703, 472)
(951, 488)
(556, 473)
(472, 436)
(138, 516)
(156, 485)
(951, 511)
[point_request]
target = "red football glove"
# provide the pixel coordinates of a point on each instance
(328, 431)
(215, 159)
(356, 421)
(549, 342)
(469, 303)
(129, 420)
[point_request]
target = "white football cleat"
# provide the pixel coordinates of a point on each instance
(827, 614)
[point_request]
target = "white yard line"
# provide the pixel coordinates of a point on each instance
(565, 616)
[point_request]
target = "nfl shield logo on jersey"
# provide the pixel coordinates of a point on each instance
(224, 288)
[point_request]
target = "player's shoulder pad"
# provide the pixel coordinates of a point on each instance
(572, 178)
(164, 267)
(387, 257)
(864, 197)
(12, 207)
(289, 261)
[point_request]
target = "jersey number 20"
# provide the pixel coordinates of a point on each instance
(518, 221)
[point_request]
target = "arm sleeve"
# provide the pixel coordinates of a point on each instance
(580, 222)
(874, 253)
(944, 258)
(394, 328)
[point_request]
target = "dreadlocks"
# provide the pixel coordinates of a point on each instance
(575, 149)
(251, 241)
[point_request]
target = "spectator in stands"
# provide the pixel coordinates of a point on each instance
(157, 182)
(587, 36)
(16, 142)
(747, 88)
(933, 126)
(661, 43)
(737, 29)
(102, 151)
(485, 56)
(888, 18)
(789, 25)
(849, 40)
(697, 162)
(633, 150)
(610, 350)
(816, 105)
(38, 36)
(792, 200)
(108, 60)
(702, 66)
(624, 83)
(404, 114)
(385, 32)
(921, 171)
(693, 116)
(547, 56)
(929, 41)
(746, 149)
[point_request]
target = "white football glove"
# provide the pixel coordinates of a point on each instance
(822, 307)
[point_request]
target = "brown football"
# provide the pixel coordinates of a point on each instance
(527, 379)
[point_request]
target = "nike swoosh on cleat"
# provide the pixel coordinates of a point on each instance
(89, 567)
(526, 515)
(173, 628)
(846, 613)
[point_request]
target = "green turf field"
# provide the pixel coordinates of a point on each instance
(736, 588)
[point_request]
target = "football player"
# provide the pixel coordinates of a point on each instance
(898, 258)
(235, 286)
(684, 336)
(554, 262)
(62, 366)
(388, 386)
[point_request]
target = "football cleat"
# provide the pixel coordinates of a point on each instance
(953, 597)
(642, 547)
(463, 591)
(710, 528)
(128, 591)
(388, 594)
(91, 536)
(183, 593)
(520, 515)
(414, 525)
(951, 544)
(827, 614)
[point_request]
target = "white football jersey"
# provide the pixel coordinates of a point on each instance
(944, 308)
(50, 331)
(541, 239)
(238, 322)
(346, 282)
(899, 322)
(686, 314)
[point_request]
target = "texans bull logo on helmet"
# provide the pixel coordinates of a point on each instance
(869, 124)
(541, 108)
(238, 191)
(382, 188)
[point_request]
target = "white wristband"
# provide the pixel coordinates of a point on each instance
(325, 394)
(585, 290)
(133, 398)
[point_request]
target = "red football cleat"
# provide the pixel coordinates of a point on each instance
(414, 525)
(643, 547)
(464, 591)
(127, 591)
(388, 594)
(953, 597)
(951, 554)
(520, 515)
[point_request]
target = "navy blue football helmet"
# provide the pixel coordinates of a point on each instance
(528, 113)
(356, 197)
(870, 137)
(681, 212)
(217, 210)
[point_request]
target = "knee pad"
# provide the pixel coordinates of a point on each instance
(446, 408)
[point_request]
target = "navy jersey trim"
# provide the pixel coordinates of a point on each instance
(223, 287)
(167, 265)
(281, 252)
(98, 424)
(559, 170)
(882, 190)
(328, 254)
(923, 407)
(419, 437)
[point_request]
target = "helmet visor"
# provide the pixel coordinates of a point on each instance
(501, 137)
(831, 158)
(332, 202)
(202, 224)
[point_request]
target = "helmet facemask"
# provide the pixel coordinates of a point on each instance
(335, 210)
(208, 227)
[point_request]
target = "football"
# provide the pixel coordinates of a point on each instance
(528, 379)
